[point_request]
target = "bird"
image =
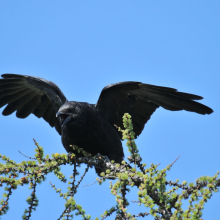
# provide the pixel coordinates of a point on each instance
(92, 126)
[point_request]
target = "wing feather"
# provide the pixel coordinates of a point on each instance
(49, 114)
(17, 104)
(11, 98)
(28, 94)
(29, 107)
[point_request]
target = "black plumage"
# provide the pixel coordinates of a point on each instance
(90, 126)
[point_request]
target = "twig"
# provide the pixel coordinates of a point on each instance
(86, 170)
(174, 161)
(91, 184)
(33, 199)
(31, 158)
(112, 210)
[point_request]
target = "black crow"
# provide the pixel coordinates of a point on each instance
(91, 126)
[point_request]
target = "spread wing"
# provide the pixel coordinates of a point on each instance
(141, 100)
(28, 94)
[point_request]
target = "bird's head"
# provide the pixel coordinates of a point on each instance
(68, 112)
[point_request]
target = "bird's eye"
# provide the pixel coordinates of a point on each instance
(73, 111)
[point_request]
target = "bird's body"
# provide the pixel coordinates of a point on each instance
(90, 131)
(89, 126)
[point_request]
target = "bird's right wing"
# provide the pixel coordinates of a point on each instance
(28, 94)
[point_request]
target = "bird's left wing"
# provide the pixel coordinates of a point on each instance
(141, 100)
(28, 94)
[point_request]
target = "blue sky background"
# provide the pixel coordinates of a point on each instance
(83, 46)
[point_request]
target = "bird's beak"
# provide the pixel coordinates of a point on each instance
(63, 118)
(58, 114)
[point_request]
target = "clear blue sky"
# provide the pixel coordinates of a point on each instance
(83, 46)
